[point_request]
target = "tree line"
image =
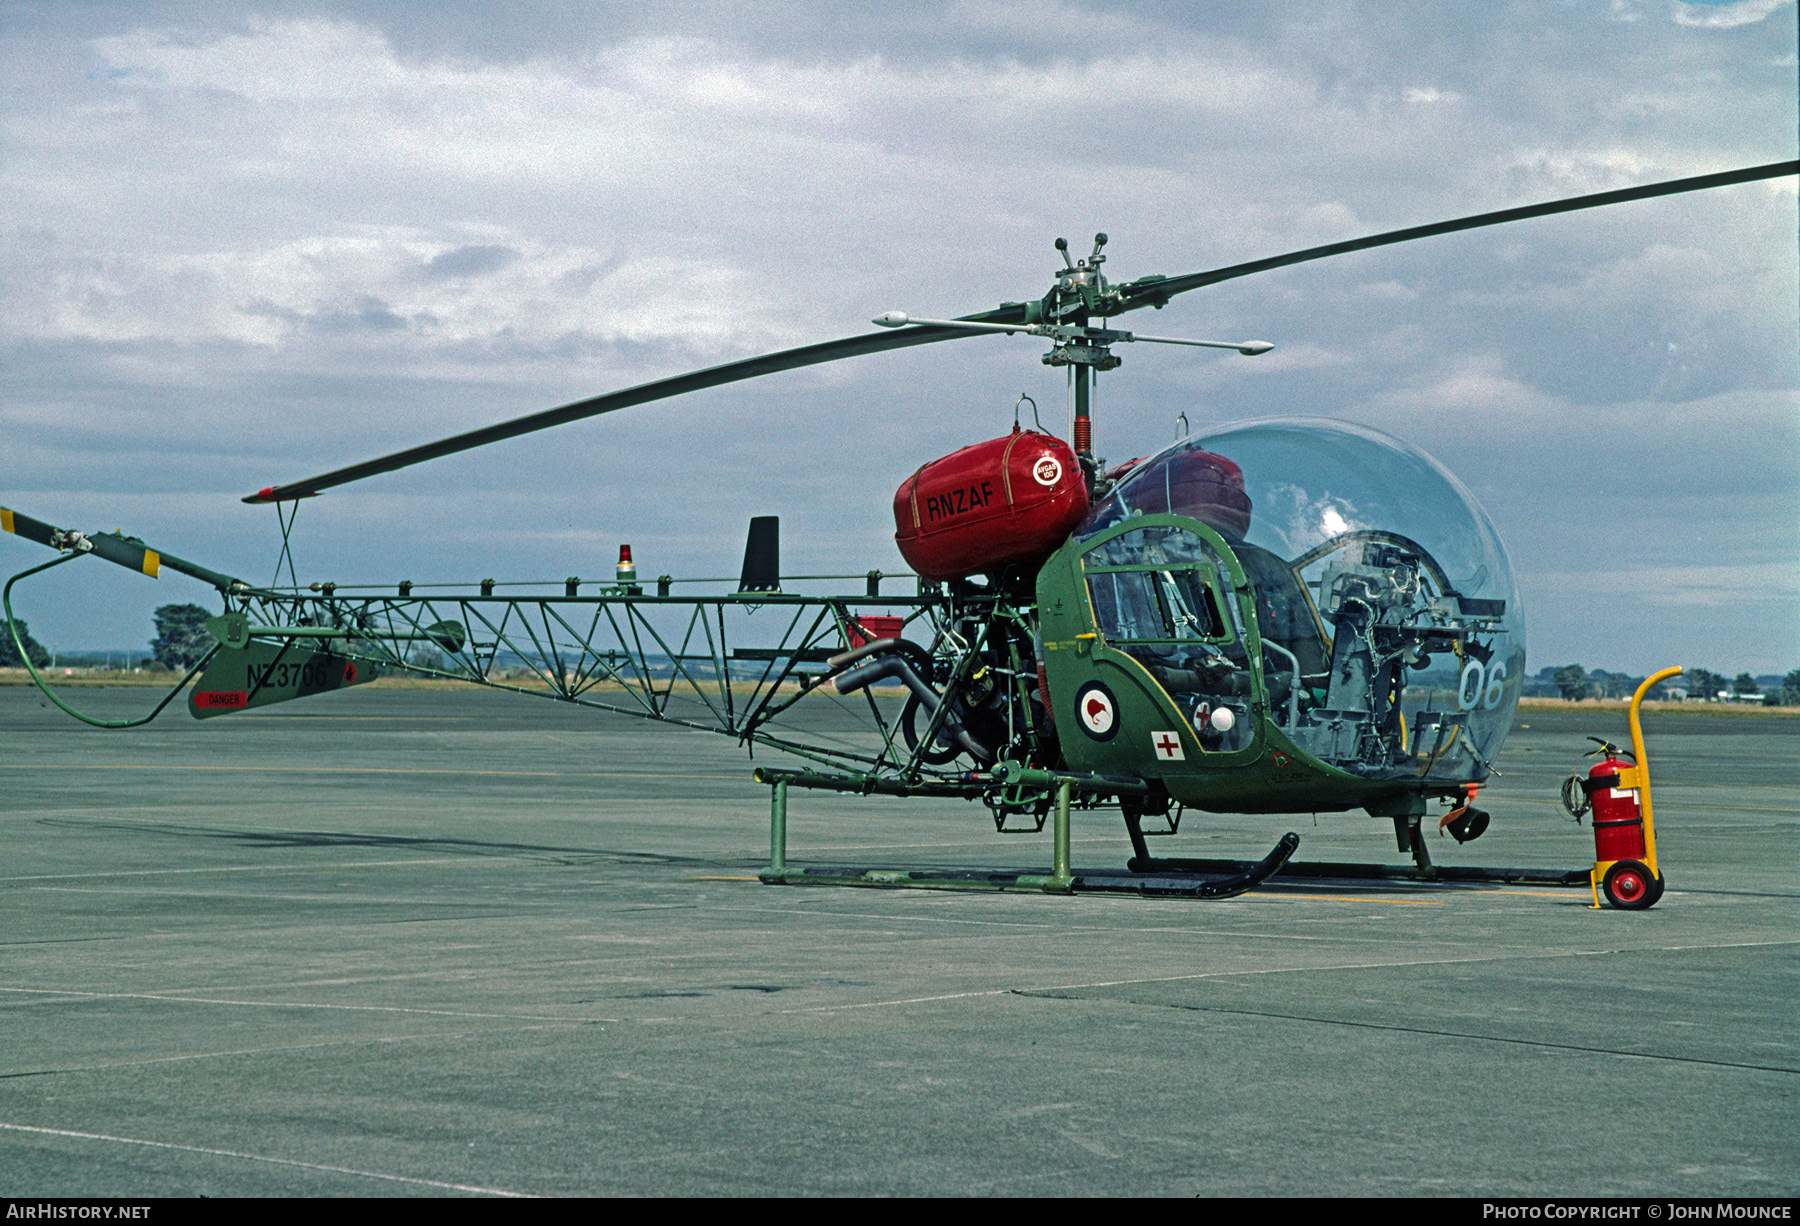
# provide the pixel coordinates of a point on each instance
(181, 639)
(1575, 683)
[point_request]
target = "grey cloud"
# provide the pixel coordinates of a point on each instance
(1726, 16)
(365, 313)
(263, 308)
(471, 261)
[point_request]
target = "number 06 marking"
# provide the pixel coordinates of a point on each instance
(1481, 685)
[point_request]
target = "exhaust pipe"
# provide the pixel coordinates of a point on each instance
(895, 667)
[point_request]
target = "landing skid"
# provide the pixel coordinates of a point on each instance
(1153, 868)
(1060, 879)
(1407, 833)
(1226, 882)
(1145, 875)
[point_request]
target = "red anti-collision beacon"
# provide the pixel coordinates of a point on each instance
(626, 574)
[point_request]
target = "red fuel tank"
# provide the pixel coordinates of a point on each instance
(1010, 499)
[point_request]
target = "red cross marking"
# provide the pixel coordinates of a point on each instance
(1167, 744)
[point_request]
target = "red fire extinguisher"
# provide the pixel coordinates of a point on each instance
(1622, 855)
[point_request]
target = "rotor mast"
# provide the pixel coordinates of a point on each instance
(1067, 315)
(1079, 293)
(1064, 315)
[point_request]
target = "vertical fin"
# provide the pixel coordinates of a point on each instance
(762, 556)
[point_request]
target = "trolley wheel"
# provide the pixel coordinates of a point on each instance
(1631, 886)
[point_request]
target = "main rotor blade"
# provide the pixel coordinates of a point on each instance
(643, 393)
(1132, 296)
(1158, 292)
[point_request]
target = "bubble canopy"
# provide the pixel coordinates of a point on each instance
(1394, 642)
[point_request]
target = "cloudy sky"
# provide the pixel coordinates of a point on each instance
(245, 244)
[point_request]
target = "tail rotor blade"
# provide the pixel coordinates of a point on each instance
(126, 551)
(21, 524)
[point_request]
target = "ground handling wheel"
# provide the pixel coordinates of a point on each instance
(1631, 886)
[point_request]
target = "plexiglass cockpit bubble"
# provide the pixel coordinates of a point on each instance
(1393, 644)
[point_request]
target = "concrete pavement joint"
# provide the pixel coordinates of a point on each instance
(1439, 1034)
(170, 998)
(1288, 970)
(232, 1153)
(272, 1050)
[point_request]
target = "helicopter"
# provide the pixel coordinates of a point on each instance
(1273, 616)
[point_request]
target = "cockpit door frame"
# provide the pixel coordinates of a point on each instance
(1241, 591)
